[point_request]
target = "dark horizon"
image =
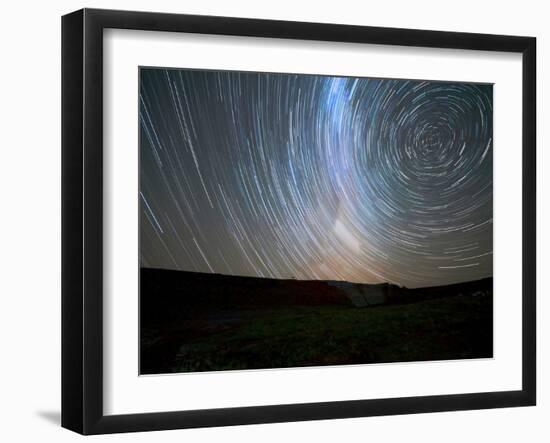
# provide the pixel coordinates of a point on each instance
(311, 177)
(309, 280)
(196, 322)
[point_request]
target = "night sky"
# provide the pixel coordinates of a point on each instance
(316, 177)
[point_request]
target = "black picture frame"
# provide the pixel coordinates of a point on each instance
(82, 220)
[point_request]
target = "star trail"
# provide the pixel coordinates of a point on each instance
(316, 177)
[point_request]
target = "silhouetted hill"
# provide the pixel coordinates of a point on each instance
(480, 287)
(202, 322)
(164, 290)
(194, 290)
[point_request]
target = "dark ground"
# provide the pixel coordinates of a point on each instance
(203, 322)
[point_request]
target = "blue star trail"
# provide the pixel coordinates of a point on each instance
(316, 177)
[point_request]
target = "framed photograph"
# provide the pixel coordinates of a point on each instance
(269, 221)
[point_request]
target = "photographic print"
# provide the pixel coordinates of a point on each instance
(295, 220)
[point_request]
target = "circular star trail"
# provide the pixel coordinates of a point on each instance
(316, 177)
